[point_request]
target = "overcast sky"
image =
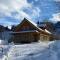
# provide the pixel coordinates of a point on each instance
(13, 11)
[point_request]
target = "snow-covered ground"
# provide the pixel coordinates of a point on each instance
(4, 49)
(34, 51)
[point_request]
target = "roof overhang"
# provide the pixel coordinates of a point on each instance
(30, 31)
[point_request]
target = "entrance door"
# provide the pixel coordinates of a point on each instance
(35, 38)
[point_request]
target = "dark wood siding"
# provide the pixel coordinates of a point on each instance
(26, 26)
(25, 37)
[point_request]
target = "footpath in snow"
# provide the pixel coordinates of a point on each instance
(31, 51)
(35, 51)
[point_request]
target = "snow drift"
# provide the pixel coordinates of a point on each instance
(35, 51)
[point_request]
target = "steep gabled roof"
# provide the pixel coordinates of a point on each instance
(34, 24)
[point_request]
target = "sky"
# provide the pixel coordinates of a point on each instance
(12, 12)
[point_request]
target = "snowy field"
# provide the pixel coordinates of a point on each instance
(33, 51)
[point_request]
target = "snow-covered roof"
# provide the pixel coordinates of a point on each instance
(47, 31)
(34, 24)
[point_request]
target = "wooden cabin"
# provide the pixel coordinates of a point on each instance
(27, 31)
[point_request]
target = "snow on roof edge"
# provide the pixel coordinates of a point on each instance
(38, 27)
